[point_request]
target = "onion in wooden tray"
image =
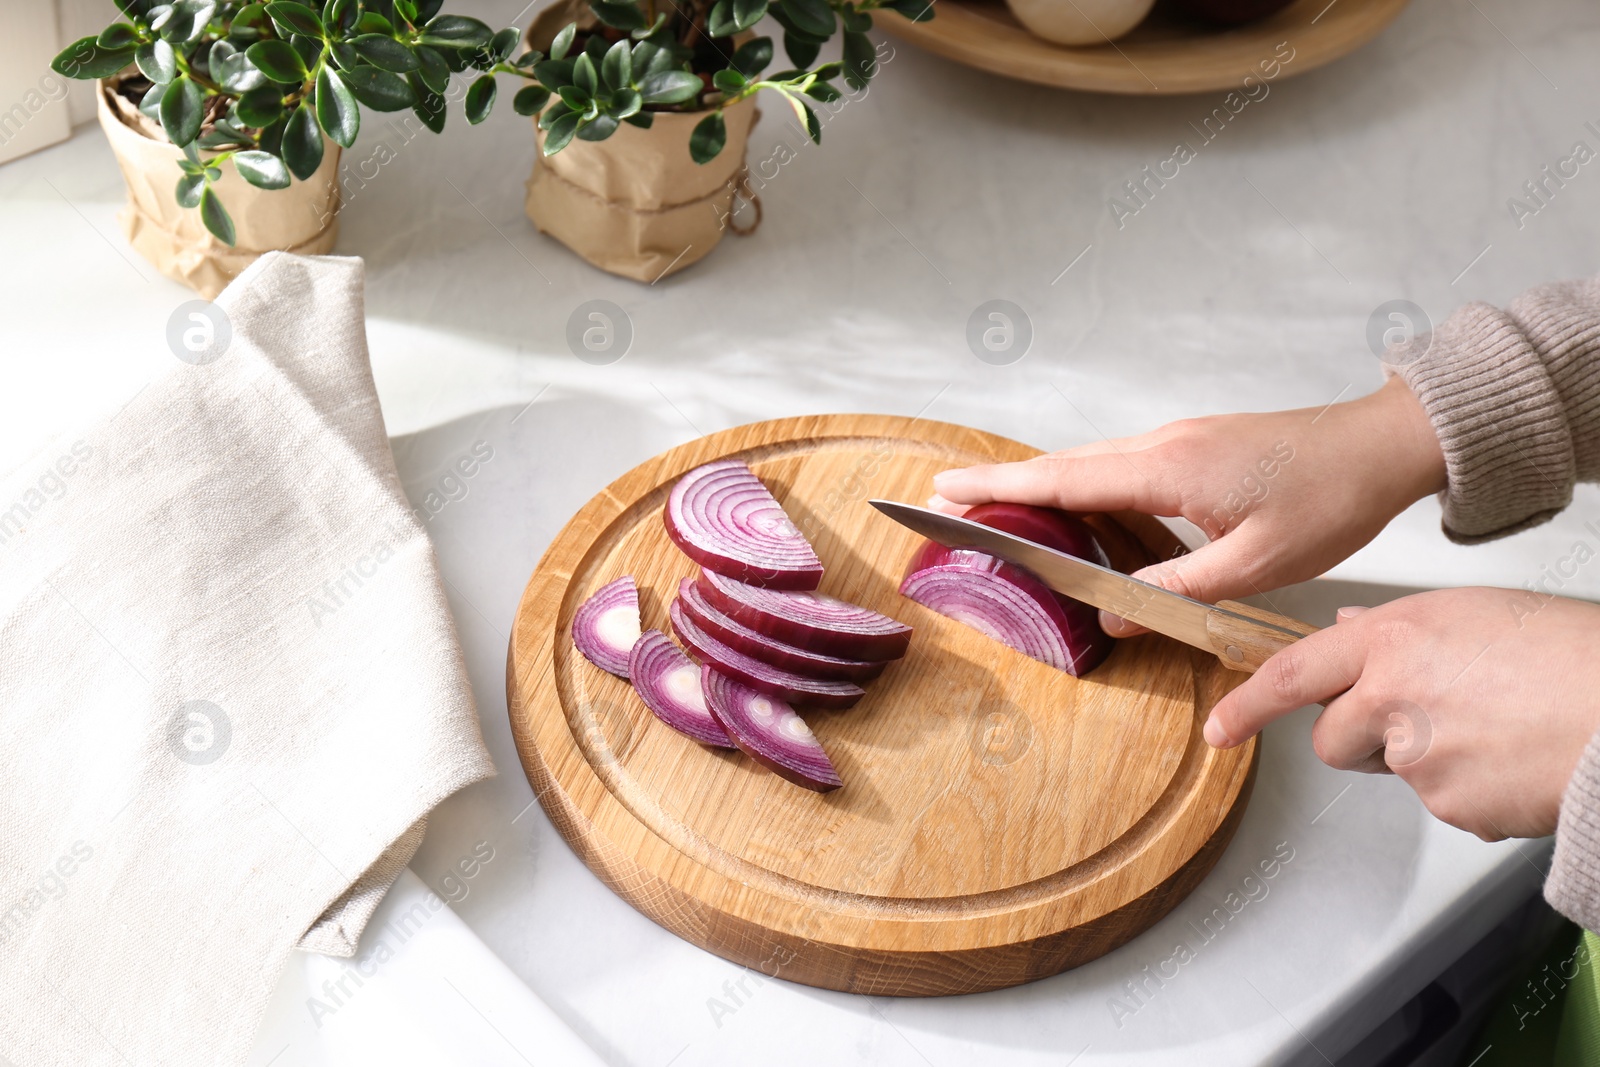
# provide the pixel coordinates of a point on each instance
(607, 624)
(769, 732)
(787, 686)
(1007, 602)
(669, 684)
(808, 620)
(725, 519)
(768, 649)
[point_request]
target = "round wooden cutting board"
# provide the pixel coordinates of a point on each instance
(1000, 821)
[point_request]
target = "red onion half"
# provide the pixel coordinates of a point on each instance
(607, 624)
(669, 684)
(726, 520)
(769, 732)
(768, 650)
(810, 621)
(1006, 601)
(747, 670)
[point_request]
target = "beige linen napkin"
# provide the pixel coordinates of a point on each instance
(230, 687)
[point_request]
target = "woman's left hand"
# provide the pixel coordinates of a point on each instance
(1482, 700)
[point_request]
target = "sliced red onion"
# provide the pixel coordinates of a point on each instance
(769, 732)
(669, 684)
(811, 621)
(769, 650)
(607, 624)
(726, 520)
(1007, 602)
(785, 685)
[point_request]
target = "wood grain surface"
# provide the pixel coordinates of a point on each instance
(1166, 54)
(1000, 821)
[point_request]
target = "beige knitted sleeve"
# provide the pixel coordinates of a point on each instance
(1515, 398)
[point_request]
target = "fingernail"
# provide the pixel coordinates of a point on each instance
(937, 502)
(1114, 625)
(1349, 613)
(1215, 735)
(945, 476)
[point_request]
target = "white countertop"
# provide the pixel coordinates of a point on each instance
(1245, 283)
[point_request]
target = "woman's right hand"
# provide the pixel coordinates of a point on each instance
(1282, 496)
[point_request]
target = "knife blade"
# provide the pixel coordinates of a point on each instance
(1241, 636)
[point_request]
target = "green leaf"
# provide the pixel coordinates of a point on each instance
(150, 104)
(372, 22)
(302, 143)
(915, 10)
(235, 71)
(84, 58)
(554, 73)
(188, 191)
(626, 103)
(341, 15)
(824, 91)
(709, 135)
(457, 31)
(480, 98)
(616, 70)
(729, 81)
(618, 15)
(379, 89)
(552, 114)
(598, 128)
(671, 87)
(435, 73)
(215, 216)
(574, 97)
(261, 169)
(563, 41)
(802, 51)
(720, 22)
(530, 99)
(406, 10)
(560, 133)
(642, 120)
(645, 31)
(752, 57)
(385, 53)
(860, 60)
(337, 111)
(118, 36)
(277, 61)
(157, 61)
(502, 44)
(429, 106)
(290, 17)
(182, 108)
(260, 107)
(854, 21)
(188, 20)
(810, 16)
(583, 74)
(247, 25)
(746, 13)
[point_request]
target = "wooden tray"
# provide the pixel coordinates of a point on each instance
(1166, 54)
(1000, 821)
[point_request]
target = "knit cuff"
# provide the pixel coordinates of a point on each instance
(1573, 886)
(1500, 419)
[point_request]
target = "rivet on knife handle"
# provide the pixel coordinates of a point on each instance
(1245, 647)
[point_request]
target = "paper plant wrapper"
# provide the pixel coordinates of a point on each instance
(635, 204)
(304, 218)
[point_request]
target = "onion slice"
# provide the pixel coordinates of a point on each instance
(769, 732)
(806, 620)
(607, 624)
(669, 684)
(1010, 605)
(768, 650)
(726, 520)
(785, 685)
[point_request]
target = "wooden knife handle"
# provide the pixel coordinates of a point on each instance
(1244, 647)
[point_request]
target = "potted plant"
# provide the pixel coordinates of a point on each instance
(643, 108)
(227, 118)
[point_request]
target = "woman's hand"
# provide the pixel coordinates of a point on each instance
(1282, 496)
(1482, 700)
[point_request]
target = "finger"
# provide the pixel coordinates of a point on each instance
(1346, 614)
(1108, 482)
(1313, 669)
(939, 503)
(1348, 735)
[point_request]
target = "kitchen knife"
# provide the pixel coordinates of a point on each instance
(1241, 636)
